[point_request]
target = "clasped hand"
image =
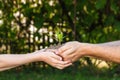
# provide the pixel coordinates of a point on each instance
(65, 55)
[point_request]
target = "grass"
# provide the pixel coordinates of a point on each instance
(54, 74)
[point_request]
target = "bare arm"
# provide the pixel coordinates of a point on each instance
(3, 69)
(109, 51)
(8, 61)
(113, 43)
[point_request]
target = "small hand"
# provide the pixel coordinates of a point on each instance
(54, 60)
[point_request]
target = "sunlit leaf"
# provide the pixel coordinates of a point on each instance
(100, 4)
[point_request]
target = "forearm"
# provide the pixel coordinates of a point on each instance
(113, 43)
(10, 61)
(106, 51)
(6, 68)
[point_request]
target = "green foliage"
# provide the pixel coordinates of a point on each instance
(24, 24)
(59, 35)
(58, 75)
(100, 4)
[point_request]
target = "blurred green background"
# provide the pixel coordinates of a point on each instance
(30, 25)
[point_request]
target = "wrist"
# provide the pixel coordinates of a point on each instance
(85, 49)
(90, 49)
(37, 56)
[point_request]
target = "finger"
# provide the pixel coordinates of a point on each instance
(57, 51)
(59, 67)
(63, 62)
(69, 57)
(63, 48)
(69, 64)
(67, 53)
(55, 56)
(63, 66)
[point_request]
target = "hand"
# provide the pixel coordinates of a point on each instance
(53, 60)
(72, 51)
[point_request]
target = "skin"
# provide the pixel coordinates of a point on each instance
(70, 52)
(74, 50)
(8, 61)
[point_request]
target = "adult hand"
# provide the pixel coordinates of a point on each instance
(72, 51)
